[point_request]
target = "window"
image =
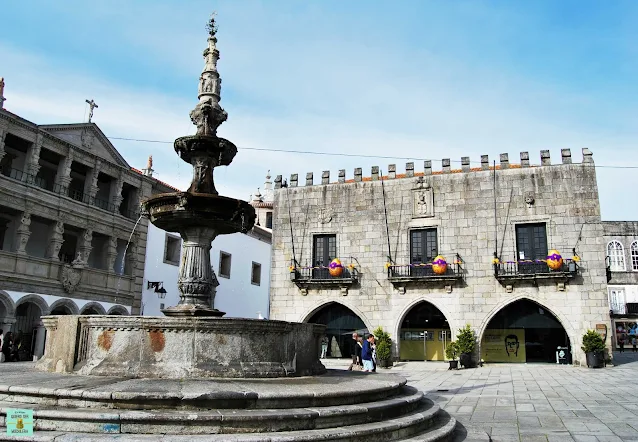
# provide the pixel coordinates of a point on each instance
(172, 248)
(224, 264)
(324, 251)
(255, 275)
(617, 300)
(531, 242)
(616, 255)
(423, 246)
(269, 220)
(162, 306)
(634, 256)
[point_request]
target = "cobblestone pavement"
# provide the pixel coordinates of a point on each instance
(534, 402)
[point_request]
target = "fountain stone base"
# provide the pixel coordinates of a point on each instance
(184, 347)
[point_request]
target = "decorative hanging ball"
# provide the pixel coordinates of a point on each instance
(554, 260)
(439, 265)
(335, 268)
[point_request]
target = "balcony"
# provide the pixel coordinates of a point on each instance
(320, 277)
(423, 274)
(74, 194)
(509, 272)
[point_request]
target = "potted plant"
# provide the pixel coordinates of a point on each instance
(451, 351)
(466, 340)
(594, 348)
(384, 348)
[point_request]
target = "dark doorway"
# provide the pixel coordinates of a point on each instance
(340, 323)
(524, 331)
(424, 334)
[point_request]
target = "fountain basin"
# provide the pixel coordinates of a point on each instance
(220, 149)
(177, 211)
(177, 348)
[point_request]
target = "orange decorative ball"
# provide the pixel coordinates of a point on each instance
(554, 260)
(335, 268)
(439, 265)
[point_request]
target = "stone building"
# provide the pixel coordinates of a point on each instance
(69, 203)
(496, 228)
(621, 243)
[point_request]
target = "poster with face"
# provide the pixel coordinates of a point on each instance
(506, 345)
(626, 332)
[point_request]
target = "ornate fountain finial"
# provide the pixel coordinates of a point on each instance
(2, 99)
(208, 114)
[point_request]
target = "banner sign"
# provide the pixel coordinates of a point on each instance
(504, 345)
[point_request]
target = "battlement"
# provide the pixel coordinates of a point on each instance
(566, 158)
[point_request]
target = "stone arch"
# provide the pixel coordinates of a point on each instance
(95, 306)
(65, 302)
(35, 299)
(9, 305)
(452, 322)
(118, 310)
(323, 303)
(567, 326)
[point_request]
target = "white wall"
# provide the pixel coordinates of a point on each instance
(236, 296)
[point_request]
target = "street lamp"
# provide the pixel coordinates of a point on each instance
(159, 288)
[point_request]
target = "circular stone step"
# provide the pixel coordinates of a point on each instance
(21, 383)
(222, 421)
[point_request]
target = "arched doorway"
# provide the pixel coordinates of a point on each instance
(524, 331)
(92, 308)
(424, 334)
(340, 323)
(26, 327)
(64, 306)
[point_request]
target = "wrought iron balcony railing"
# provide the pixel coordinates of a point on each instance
(314, 276)
(632, 308)
(424, 272)
(534, 270)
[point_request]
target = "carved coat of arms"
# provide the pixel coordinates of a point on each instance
(70, 278)
(325, 215)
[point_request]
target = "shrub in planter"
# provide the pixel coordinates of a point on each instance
(466, 341)
(384, 347)
(451, 352)
(594, 348)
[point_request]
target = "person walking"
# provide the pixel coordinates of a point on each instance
(356, 352)
(621, 344)
(633, 344)
(366, 354)
(1, 344)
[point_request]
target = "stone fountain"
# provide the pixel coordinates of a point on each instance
(200, 213)
(192, 340)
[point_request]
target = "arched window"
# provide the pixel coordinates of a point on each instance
(634, 256)
(616, 255)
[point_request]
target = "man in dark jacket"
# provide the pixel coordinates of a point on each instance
(366, 354)
(356, 351)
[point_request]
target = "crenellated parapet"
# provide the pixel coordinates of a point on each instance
(446, 168)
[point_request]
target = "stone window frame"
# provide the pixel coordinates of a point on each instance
(617, 262)
(223, 255)
(166, 239)
(252, 274)
(269, 224)
(534, 219)
(618, 290)
(634, 256)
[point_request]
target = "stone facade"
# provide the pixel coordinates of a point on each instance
(475, 212)
(68, 205)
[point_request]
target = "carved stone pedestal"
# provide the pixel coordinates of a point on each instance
(195, 283)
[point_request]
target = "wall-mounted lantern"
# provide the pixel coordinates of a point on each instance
(159, 288)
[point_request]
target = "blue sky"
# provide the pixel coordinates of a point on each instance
(421, 79)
